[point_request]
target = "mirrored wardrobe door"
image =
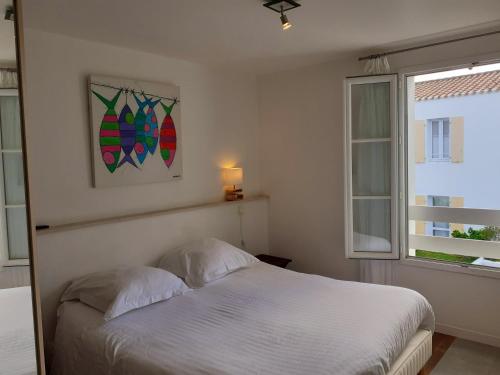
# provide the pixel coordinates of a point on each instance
(20, 352)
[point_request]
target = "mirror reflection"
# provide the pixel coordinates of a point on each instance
(17, 342)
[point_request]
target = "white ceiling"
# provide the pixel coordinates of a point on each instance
(243, 34)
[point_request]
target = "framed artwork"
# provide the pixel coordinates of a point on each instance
(136, 131)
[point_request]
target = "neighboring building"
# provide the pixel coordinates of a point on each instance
(457, 145)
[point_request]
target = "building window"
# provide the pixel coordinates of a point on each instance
(439, 136)
(439, 228)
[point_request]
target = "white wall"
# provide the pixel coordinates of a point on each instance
(219, 127)
(302, 169)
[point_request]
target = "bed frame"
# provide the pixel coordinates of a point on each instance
(415, 356)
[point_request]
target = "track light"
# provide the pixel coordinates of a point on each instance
(285, 24)
(281, 7)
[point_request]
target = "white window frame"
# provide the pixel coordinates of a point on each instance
(392, 79)
(459, 214)
(429, 142)
(5, 259)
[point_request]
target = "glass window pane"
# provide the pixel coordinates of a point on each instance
(440, 201)
(440, 224)
(13, 178)
(435, 139)
(10, 122)
(372, 225)
(17, 233)
(370, 110)
(441, 233)
(371, 168)
(446, 139)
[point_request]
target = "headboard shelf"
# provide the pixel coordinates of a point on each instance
(45, 228)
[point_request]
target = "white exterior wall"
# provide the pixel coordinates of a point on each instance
(476, 178)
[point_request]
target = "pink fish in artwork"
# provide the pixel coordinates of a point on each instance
(168, 136)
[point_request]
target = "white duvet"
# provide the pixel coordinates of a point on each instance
(259, 320)
(17, 337)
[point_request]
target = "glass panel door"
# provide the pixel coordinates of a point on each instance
(370, 167)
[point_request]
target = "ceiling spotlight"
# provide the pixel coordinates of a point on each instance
(285, 24)
(282, 6)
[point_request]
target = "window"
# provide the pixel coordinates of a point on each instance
(439, 135)
(439, 226)
(371, 163)
(13, 207)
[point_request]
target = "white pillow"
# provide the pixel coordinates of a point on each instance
(118, 291)
(203, 261)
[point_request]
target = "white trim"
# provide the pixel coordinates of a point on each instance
(360, 197)
(9, 92)
(467, 334)
(348, 141)
(16, 262)
(371, 140)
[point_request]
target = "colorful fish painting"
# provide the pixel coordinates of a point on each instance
(151, 127)
(127, 134)
(140, 146)
(109, 134)
(168, 136)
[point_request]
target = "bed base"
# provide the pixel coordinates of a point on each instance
(414, 356)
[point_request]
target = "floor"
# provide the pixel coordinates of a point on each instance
(452, 356)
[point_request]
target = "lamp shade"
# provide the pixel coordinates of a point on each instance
(232, 176)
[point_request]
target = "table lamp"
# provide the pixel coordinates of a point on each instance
(233, 177)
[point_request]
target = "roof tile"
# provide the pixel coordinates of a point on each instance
(458, 86)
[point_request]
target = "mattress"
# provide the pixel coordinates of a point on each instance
(17, 340)
(259, 320)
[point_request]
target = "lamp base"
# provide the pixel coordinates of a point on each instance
(234, 194)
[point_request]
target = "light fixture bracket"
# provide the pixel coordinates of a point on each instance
(280, 6)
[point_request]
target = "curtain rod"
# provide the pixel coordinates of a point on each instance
(428, 45)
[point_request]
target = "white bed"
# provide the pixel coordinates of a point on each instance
(259, 320)
(17, 341)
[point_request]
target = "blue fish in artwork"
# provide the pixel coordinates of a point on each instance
(151, 126)
(140, 146)
(127, 134)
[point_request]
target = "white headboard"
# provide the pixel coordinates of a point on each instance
(66, 254)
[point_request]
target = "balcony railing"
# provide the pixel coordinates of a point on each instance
(450, 245)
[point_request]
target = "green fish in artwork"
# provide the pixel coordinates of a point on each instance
(141, 148)
(109, 134)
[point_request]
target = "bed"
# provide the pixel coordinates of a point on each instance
(17, 341)
(257, 320)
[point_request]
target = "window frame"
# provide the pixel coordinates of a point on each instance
(430, 126)
(5, 259)
(394, 254)
(403, 74)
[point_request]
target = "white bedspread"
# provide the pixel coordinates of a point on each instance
(17, 340)
(261, 320)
